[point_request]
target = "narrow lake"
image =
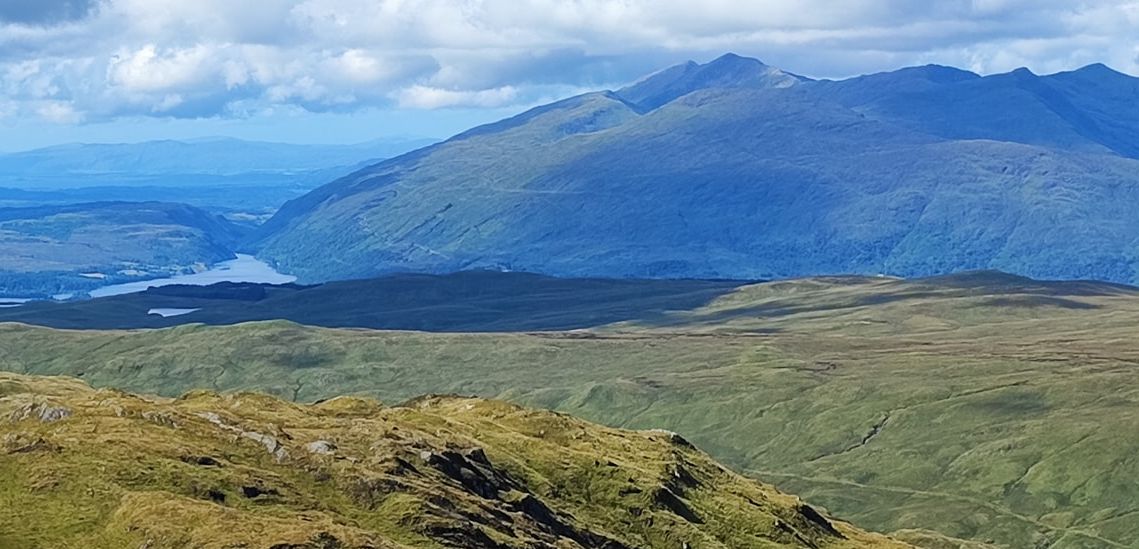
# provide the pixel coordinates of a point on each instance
(245, 268)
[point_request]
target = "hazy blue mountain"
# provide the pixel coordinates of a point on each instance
(1093, 109)
(734, 169)
(211, 156)
(217, 173)
(247, 197)
(63, 249)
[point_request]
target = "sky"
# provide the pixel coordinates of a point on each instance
(346, 71)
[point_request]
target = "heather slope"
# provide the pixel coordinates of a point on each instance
(93, 469)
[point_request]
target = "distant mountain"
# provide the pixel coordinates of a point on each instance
(62, 249)
(245, 197)
(220, 174)
(734, 169)
(213, 156)
(1091, 110)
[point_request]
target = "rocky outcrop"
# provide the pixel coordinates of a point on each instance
(247, 470)
(40, 411)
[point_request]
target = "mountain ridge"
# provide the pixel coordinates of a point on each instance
(727, 71)
(735, 178)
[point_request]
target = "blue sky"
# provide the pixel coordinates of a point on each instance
(354, 70)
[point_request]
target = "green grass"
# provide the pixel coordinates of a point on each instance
(120, 471)
(992, 408)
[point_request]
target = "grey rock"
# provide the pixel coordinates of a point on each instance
(271, 444)
(322, 447)
(44, 412)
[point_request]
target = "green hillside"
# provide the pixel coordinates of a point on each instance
(982, 406)
(51, 250)
(104, 469)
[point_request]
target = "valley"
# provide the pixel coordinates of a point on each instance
(905, 297)
(71, 249)
(74, 218)
(980, 406)
(244, 269)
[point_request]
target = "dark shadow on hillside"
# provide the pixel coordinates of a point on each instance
(1028, 294)
(477, 301)
(1039, 301)
(486, 301)
(996, 282)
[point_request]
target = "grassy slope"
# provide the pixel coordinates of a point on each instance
(43, 250)
(988, 408)
(95, 469)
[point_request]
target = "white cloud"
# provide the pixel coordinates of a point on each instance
(305, 88)
(169, 102)
(148, 70)
(219, 57)
(359, 66)
(426, 97)
(29, 79)
(59, 112)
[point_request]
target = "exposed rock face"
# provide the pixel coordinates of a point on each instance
(20, 443)
(269, 442)
(41, 411)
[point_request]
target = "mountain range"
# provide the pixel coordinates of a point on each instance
(735, 169)
(220, 174)
(74, 164)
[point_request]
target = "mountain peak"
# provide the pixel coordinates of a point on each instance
(734, 58)
(1023, 72)
(727, 71)
(1097, 71)
(940, 73)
